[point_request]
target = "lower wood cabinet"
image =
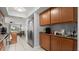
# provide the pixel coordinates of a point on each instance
(1, 46)
(45, 41)
(63, 44)
(14, 37)
(56, 43)
(67, 44)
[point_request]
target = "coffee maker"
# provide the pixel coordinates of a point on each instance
(48, 30)
(3, 30)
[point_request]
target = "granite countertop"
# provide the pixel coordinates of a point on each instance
(2, 37)
(65, 36)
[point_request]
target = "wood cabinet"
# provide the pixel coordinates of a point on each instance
(45, 41)
(67, 44)
(45, 18)
(55, 44)
(1, 18)
(62, 44)
(75, 14)
(57, 15)
(67, 14)
(63, 15)
(1, 46)
(14, 37)
(1, 14)
(75, 45)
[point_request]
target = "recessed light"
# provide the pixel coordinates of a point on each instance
(20, 9)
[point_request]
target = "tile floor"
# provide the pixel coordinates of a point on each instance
(22, 45)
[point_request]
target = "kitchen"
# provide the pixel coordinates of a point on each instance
(53, 29)
(59, 29)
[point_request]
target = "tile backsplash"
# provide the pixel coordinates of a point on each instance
(42, 28)
(66, 27)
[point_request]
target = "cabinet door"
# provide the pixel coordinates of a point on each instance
(45, 18)
(75, 45)
(1, 46)
(55, 43)
(67, 44)
(55, 15)
(67, 14)
(14, 37)
(75, 14)
(45, 41)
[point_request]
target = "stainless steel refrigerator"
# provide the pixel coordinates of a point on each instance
(31, 33)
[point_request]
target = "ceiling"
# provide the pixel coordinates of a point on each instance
(27, 11)
(12, 11)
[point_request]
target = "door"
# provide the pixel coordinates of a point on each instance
(45, 41)
(45, 18)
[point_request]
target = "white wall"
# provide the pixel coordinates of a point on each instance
(36, 29)
(26, 28)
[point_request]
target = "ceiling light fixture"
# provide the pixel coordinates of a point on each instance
(20, 9)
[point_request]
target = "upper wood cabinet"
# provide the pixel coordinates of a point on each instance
(58, 15)
(45, 41)
(75, 14)
(63, 15)
(1, 14)
(55, 15)
(67, 14)
(45, 17)
(1, 17)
